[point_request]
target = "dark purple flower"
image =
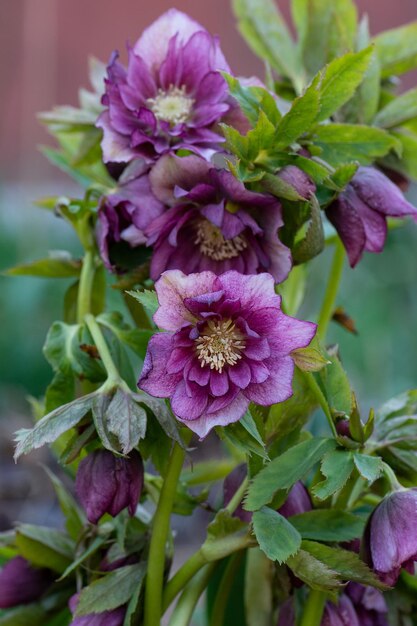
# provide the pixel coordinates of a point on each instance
(298, 179)
(390, 539)
(106, 483)
(369, 604)
(287, 613)
(231, 484)
(340, 614)
(170, 96)
(359, 213)
(123, 217)
(213, 222)
(20, 583)
(298, 501)
(107, 618)
(227, 344)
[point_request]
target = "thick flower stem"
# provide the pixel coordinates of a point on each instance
(85, 286)
(185, 607)
(314, 608)
(328, 305)
(225, 587)
(101, 345)
(319, 395)
(160, 529)
(182, 577)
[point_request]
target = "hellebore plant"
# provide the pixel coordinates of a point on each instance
(206, 197)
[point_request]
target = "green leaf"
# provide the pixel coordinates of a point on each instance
(239, 435)
(225, 534)
(341, 143)
(279, 187)
(95, 545)
(147, 298)
(277, 538)
(337, 466)
(299, 119)
(284, 471)
(402, 109)
(336, 386)
(408, 162)
(45, 547)
(397, 49)
(53, 425)
(47, 268)
(126, 420)
(309, 359)
(74, 516)
(111, 591)
(259, 581)
(347, 564)
(33, 614)
(328, 525)
(341, 79)
(264, 29)
(292, 290)
(312, 571)
(313, 241)
(370, 467)
(252, 100)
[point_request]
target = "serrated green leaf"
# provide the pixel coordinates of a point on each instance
(340, 80)
(126, 420)
(284, 471)
(336, 466)
(313, 241)
(111, 591)
(370, 467)
(148, 299)
(53, 425)
(299, 119)
(336, 386)
(277, 538)
(397, 49)
(242, 439)
(225, 535)
(252, 100)
(345, 563)
(312, 571)
(328, 525)
(45, 547)
(341, 143)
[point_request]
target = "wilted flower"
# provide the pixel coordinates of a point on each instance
(108, 484)
(227, 344)
(20, 583)
(298, 501)
(107, 618)
(359, 213)
(123, 217)
(390, 540)
(369, 604)
(170, 95)
(213, 222)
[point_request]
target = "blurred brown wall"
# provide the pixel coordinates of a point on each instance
(44, 45)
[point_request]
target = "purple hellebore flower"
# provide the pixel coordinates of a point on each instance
(390, 539)
(359, 213)
(107, 618)
(298, 501)
(108, 484)
(213, 222)
(227, 343)
(369, 604)
(20, 583)
(123, 217)
(341, 614)
(170, 96)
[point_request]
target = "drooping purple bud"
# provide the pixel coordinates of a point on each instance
(108, 484)
(340, 614)
(369, 604)
(298, 179)
(287, 613)
(298, 501)
(20, 583)
(107, 618)
(390, 539)
(231, 484)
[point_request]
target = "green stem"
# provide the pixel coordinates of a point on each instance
(319, 395)
(180, 579)
(238, 496)
(331, 290)
(314, 608)
(185, 607)
(392, 478)
(225, 587)
(101, 345)
(85, 286)
(160, 529)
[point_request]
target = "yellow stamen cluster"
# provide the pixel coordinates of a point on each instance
(173, 106)
(219, 344)
(213, 244)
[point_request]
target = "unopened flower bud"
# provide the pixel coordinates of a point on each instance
(20, 583)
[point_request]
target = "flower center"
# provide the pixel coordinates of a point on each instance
(219, 344)
(173, 106)
(214, 245)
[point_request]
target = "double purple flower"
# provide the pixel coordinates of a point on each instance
(227, 343)
(170, 96)
(360, 212)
